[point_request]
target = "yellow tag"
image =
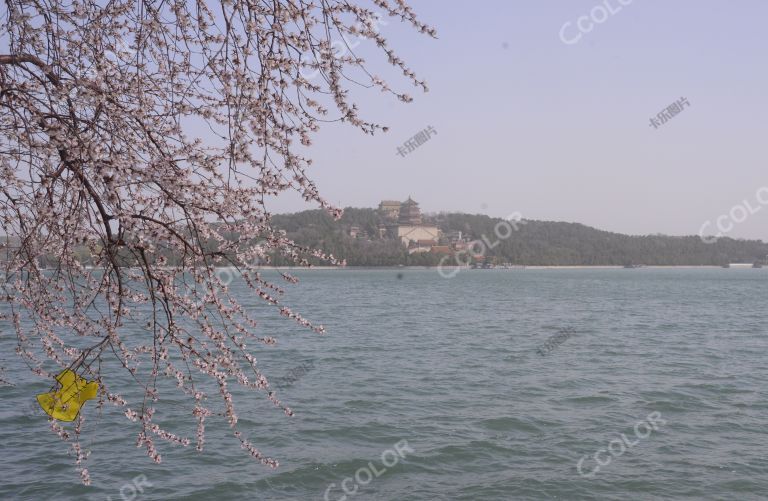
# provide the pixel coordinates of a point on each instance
(64, 404)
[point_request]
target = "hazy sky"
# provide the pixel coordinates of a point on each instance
(560, 131)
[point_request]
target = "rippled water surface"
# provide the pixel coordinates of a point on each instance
(452, 368)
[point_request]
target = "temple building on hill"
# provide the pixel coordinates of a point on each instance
(390, 210)
(410, 214)
(407, 225)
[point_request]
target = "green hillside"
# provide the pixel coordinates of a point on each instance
(535, 243)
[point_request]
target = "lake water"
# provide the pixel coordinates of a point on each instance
(449, 382)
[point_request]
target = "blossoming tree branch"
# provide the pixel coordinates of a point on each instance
(139, 143)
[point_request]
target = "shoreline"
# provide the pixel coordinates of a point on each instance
(517, 268)
(734, 266)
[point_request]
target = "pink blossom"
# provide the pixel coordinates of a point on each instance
(134, 213)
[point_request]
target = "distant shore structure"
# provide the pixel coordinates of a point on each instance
(404, 222)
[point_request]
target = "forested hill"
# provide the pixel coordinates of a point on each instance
(534, 243)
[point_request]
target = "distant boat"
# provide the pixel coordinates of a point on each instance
(757, 265)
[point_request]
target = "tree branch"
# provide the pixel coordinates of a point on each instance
(19, 59)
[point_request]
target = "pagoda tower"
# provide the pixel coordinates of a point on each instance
(410, 214)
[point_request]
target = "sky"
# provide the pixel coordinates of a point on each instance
(562, 131)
